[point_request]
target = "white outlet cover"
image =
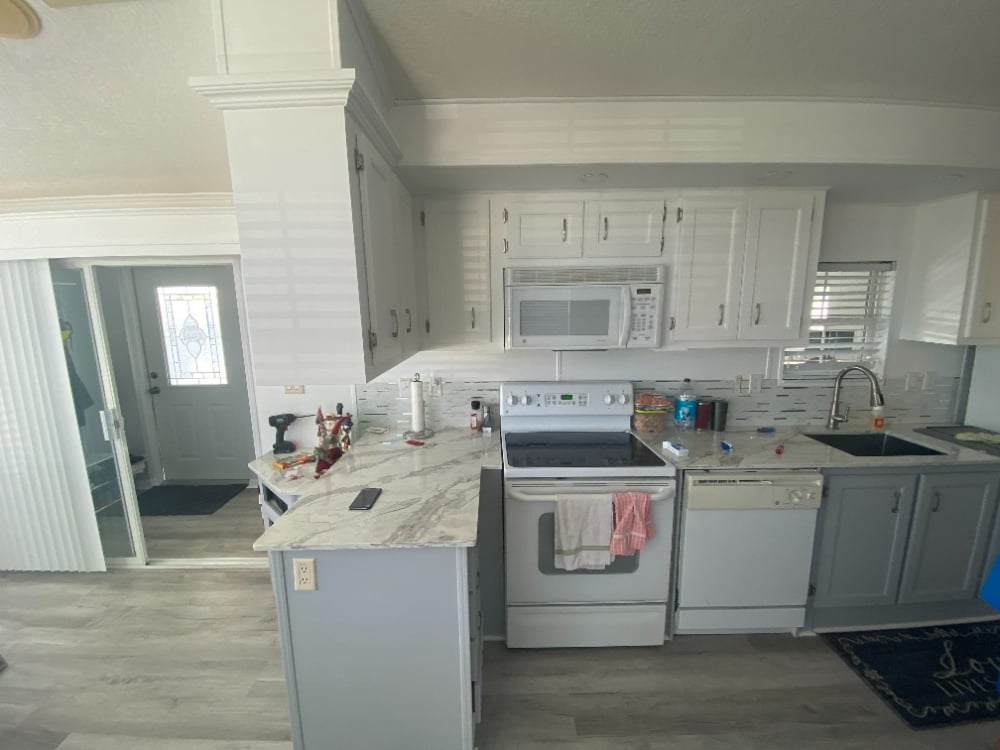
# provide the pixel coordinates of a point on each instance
(304, 573)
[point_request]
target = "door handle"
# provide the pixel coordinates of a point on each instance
(565, 229)
(409, 320)
(154, 390)
(605, 227)
(897, 495)
(937, 502)
(395, 323)
(756, 317)
(722, 314)
(473, 318)
(987, 312)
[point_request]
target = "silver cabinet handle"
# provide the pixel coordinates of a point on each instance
(756, 317)
(937, 502)
(987, 312)
(673, 322)
(898, 495)
(473, 318)
(395, 323)
(605, 227)
(409, 320)
(506, 246)
(565, 229)
(722, 314)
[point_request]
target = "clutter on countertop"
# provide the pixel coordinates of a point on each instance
(296, 460)
(281, 423)
(650, 414)
(334, 433)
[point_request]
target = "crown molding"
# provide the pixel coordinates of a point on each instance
(361, 106)
(322, 88)
(93, 206)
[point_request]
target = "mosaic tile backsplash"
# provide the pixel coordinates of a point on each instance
(791, 403)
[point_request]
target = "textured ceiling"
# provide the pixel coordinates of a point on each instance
(98, 103)
(944, 51)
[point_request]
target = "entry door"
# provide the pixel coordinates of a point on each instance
(194, 362)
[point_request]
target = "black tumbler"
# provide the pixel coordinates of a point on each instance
(719, 411)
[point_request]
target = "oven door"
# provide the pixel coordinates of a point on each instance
(529, 524)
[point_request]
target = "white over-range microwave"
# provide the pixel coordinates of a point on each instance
(596, 307)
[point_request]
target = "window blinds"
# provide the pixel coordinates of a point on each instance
(47, 519)
(849, 320)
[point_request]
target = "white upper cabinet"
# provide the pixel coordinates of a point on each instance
(406, 269)
(953, 291)
(744, 265)
(709, 266)
(539, 228)
(456, 240)
(779, 226)
(624, 228)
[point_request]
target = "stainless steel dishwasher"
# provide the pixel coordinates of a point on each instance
(746, 550)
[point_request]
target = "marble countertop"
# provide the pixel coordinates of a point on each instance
(754, 450)
(430, 495)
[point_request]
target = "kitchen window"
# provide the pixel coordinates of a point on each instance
(849, 321)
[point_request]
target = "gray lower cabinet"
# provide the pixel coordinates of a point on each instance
(862, 542)
(951, 530)
(903, 545)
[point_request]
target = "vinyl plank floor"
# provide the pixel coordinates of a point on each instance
(189, 660)
(229, 532)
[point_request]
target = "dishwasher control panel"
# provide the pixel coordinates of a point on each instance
(753, 491)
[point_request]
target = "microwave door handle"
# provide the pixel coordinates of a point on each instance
(626, 316)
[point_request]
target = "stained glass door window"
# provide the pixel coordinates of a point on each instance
(189, 320)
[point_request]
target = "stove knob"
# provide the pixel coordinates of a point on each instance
(623, 399)
(511, 399)
(609, 399)
(525, 399)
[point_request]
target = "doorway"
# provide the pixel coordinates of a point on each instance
(174, 359)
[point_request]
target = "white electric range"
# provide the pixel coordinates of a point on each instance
(574, 439)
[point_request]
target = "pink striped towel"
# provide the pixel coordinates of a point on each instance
(633, 522)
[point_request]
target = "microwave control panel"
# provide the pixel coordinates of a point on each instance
(645, 329)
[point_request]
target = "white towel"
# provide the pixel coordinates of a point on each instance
(584, 525)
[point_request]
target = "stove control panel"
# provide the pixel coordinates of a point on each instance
(566, 399)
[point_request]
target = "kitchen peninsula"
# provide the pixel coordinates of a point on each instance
(386, 651)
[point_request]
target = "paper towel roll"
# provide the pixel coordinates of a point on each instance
(417, 405)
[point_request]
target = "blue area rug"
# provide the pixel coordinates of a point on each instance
(931, 677)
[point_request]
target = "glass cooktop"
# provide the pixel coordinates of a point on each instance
(578, 450)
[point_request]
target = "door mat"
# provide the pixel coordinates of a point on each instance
(187, 499)
(931, 676)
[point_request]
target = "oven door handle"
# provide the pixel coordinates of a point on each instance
(544, 493)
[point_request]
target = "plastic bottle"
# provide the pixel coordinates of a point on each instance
(878, 417)
(476, 417)
(487, 420)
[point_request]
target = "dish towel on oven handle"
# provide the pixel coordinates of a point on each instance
(633, 522)
(583, 527)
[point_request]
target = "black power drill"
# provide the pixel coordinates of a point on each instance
(280, 423)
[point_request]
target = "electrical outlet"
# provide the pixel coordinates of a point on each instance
(437, 387)
(305, 573)
(404, 387)
(294, 390)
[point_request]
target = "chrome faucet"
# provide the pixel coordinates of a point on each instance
(877, 399)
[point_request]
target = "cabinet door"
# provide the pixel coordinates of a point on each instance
(862, 539)
(982, 313)
(380, 254)
(406, 267)
(624, 229)
(456, 238)
(540, 228)
(709, 267)
(951, 529)
(779, 226)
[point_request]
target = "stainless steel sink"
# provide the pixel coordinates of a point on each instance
(874, 444)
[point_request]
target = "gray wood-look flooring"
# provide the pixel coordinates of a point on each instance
(229, 532)
(189, 660)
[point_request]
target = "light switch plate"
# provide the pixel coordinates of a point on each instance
(294, 390)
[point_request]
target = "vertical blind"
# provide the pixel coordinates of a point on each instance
(849, 320)
(47, 519)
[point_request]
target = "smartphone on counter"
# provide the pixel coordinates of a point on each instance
(366, 498)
